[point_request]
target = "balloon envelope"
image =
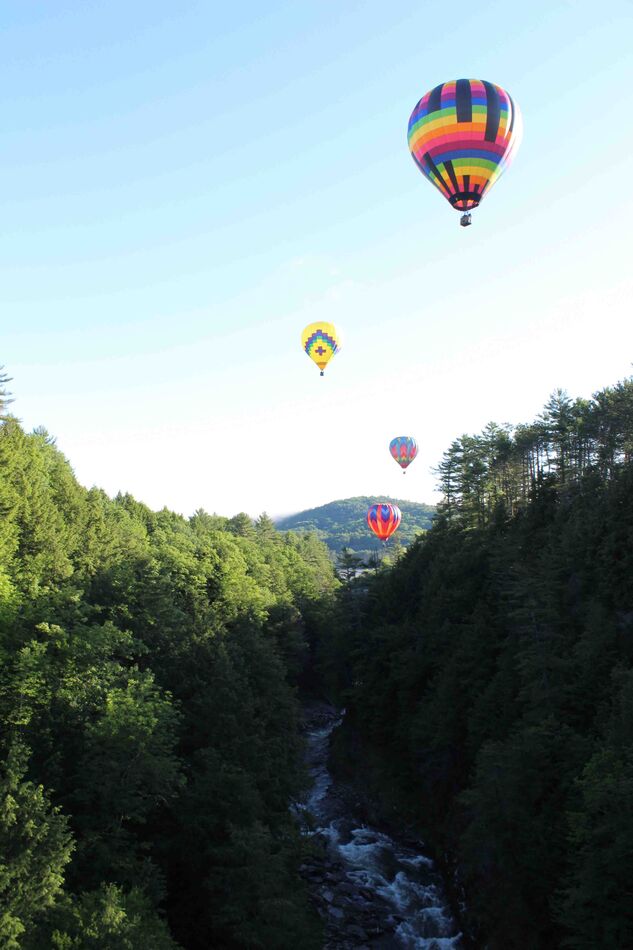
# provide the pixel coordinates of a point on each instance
(404, 449)
(462, 135)
(383, 519)
(321, 341)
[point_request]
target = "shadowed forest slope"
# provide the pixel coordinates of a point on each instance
(488, 676)
(148, 719)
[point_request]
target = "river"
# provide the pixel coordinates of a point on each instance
(371, 890)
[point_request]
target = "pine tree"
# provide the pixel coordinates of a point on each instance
(5, 396)
(35, 847)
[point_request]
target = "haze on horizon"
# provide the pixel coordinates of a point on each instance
(185, 188)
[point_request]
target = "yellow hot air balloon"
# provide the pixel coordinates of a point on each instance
(321, 341)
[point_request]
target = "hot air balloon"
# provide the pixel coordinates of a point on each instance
(404, 449)
(463, 134)
(321, 341)
(383, 519)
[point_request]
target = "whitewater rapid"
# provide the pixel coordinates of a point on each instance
(373, 890)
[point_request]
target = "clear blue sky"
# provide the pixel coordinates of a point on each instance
(185, 185)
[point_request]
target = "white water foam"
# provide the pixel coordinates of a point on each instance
(412, 941)
(407, 894)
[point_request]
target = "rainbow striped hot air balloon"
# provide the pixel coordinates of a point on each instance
(321, 341)
(463, 134)
(383, 519)
(403, 449)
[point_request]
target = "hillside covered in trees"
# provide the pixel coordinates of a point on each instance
(488, 678)
(342, 524)
(148, 718)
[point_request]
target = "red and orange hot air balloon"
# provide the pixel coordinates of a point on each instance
(462, 135)
(383, 519)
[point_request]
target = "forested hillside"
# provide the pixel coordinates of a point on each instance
(148, 718)
(149, 742)
(342, 524)
(488, 677)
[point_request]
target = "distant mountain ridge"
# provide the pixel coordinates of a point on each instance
(342, 523)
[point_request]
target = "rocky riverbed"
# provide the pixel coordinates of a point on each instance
(371, 890)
